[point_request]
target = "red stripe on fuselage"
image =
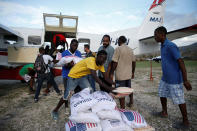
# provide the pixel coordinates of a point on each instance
(10, 73)
(4, 53)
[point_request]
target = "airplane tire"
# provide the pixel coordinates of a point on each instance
(23, 81)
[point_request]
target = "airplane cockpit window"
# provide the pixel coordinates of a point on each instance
(10, 42)
(34, 40)
(10, 39)
(52, 21)
(69, 22)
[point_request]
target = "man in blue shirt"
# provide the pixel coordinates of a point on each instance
(65, 71)
(174, 74)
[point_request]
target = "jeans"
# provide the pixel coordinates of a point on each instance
(50, 79)
(65, 82)
(77, 89)
(92, 82)
(72, 83)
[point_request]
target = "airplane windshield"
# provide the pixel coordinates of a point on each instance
(53, 21)
(69, 22)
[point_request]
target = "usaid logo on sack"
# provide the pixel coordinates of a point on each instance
(114, 122)
(77, 96)
(155, 19)
(83, 101)
(105, 99)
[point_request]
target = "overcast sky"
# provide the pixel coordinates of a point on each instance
(96, 16)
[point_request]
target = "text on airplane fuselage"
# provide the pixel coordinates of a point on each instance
(155, 19)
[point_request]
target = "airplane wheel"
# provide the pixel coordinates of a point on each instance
(23, 81)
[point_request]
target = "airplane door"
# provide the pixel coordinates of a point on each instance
(22, 54)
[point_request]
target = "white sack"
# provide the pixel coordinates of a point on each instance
(109, 114)
(104, 101)
(133, 118)
(67, 59)
(72, 126)
(84, 117)
(114, 125)
(82, 101)
(27, 77)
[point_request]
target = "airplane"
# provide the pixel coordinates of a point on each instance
(20, 45)
(141, 39)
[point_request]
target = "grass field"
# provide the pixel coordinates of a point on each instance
(145, 64)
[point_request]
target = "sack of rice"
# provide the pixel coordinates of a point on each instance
(104, 101)
(109, 114)
(72, 126)
(133, 118)
(84, 117)
(114, 125)
(82, 101)
(67, 59)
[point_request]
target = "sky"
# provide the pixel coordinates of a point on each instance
(96, 16)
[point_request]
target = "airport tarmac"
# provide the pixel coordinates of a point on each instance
(19, 112)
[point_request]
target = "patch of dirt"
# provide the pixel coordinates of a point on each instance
(19, 112)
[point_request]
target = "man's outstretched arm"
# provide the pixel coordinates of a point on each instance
(93, 73)
(113, 68)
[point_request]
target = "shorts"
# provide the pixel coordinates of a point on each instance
(173, 91)
(123, 83)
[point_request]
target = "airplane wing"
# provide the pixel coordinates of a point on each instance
(176, 34)
(9, 33)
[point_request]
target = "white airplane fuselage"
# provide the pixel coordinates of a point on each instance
(25, 50)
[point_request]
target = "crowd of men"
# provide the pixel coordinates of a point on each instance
(107, 61)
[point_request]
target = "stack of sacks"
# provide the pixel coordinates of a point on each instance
(67, 59)
(105, 109)
(105, 106)
(98, 112)
(82, 119)
(80, 104)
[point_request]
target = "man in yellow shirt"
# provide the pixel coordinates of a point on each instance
(78, 77)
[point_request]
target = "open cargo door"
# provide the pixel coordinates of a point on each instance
(59, 24)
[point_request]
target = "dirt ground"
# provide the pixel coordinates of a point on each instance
(19, 112)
